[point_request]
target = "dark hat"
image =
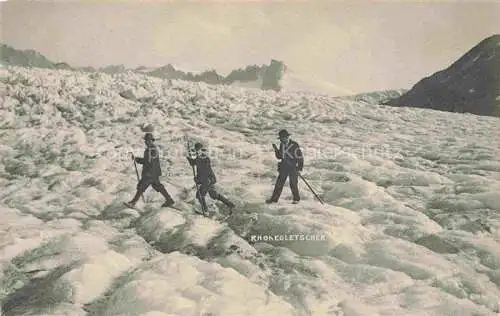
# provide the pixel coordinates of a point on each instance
(198, 146)
(149, 136)
(283, 133)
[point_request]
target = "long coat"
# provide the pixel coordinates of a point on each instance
(150, 163)
(290, 155)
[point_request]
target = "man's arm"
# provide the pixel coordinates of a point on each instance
(300, 158)
(149, 153)
(191, 161)
(211, 174)
(277, 152)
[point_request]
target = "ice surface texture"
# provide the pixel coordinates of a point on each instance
(411, 220)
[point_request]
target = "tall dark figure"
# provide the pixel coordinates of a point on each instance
(205, 179)
(291, 163)
(151, 172)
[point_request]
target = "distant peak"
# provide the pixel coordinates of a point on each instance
(471, 84)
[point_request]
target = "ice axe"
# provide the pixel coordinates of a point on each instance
(319, 199)
(186, 140)
(137, 173)
(188, 147)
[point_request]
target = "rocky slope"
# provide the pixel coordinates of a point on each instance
(471, 84)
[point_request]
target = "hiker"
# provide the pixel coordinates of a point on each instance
(205, 178)
(151, 172)
(290, 165)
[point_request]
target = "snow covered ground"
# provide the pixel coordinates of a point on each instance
(411, 224)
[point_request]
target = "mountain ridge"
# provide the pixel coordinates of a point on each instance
(268, 75)
(471, 84)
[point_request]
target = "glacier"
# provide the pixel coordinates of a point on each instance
(411, 220)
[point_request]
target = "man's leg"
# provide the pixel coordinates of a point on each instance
(217, 196)
(278, 187)
(200, 195)
(159, 187)
(141, 188)
(294, 185)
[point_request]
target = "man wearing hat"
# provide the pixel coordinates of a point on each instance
(151, 172)
(292, 162)
(205, 178)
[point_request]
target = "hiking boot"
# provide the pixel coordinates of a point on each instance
(168, 203)
(269, 201)
(295, 202)
(226, 202)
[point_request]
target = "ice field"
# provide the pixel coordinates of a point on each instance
(410, 224)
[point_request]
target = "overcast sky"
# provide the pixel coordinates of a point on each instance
(358, 45)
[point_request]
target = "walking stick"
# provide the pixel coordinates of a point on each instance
(319, 199)
(194, 170)
(137, 173)
(189, 153)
